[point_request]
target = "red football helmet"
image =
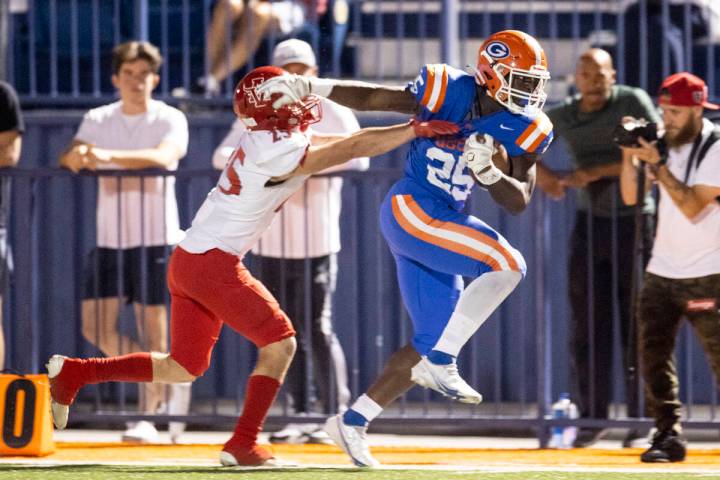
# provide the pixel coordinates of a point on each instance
(513, 68)
(258, 113)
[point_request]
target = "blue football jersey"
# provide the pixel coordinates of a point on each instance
(447, 93)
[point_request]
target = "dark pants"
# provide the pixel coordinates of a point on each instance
(286, 280)
(663, 304)
(592, 308)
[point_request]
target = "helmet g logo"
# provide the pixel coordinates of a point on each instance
(497, 50)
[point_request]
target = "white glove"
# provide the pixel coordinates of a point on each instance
(478, 152)
(293, 88)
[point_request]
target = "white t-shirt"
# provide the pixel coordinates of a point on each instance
(688, 248)
(313, 212)
(148, 209)
(242, 205)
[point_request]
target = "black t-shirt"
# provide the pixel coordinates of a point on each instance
(10, 119)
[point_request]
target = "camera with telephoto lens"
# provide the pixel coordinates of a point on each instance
(628, 131)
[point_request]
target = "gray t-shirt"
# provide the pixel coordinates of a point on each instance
(589, 137)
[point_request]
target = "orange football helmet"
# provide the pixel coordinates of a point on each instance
(513, 68)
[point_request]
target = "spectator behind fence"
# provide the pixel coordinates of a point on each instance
(585, 122)
(682, 278)
(308, 226)
(134, 237)
(248, 21)
(12, 127)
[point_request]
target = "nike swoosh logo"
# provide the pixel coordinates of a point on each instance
(503, 127)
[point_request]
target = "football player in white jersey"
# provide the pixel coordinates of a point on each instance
(210, 286)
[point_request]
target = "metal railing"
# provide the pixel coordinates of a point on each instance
(517, 360)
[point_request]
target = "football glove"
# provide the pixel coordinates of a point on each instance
(292, 88)
(478, 153)
(434, 128)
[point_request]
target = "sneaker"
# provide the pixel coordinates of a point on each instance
(637, 438)
(444, 379)
(142, 432)
(292, 433)
(178, 404)
(667, 446)
(62, 395)
(253, 456)
(352, 440)
(587, 437)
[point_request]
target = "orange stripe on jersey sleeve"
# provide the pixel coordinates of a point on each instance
(533, 146)
(528, 131)
(429, 85)
(443, 91)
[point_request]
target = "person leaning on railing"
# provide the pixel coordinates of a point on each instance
(135, 132)
(12, 127)
(683, 276)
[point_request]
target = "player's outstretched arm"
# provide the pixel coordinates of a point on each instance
(510, 181)
(350, 93)
(370, 142)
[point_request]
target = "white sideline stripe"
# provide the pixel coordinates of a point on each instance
(650, 470)
(450, 235)
(436, 87)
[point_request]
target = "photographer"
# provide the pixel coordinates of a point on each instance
(599, 274)
(683, 276)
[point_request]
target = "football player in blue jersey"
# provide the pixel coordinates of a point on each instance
(434, 244)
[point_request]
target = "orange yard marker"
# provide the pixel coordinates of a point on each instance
(25, 424)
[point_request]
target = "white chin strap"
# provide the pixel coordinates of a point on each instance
(477, 302)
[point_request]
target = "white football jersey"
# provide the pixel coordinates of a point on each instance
(245, 200)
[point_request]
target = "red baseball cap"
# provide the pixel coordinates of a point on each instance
(685, 90)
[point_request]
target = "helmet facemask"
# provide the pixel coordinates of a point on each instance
(521, 91)
(301, 114)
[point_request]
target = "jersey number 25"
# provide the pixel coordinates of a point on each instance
(232, 175)
(451, 176)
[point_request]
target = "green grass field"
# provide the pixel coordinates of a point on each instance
(109, 472)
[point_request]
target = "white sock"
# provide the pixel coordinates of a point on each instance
(367, 407)
(477, 302)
